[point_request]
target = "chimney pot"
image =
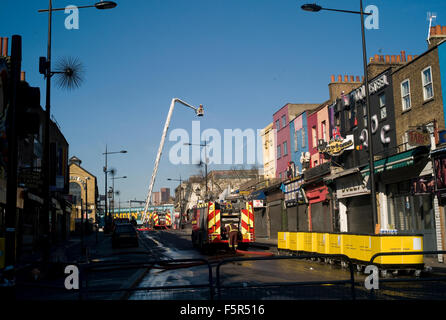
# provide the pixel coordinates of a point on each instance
(357, 78)
(362, 78)
(332, 78)
(409, 57)
(393, 58)
(398, 59)
(339, 78)
(376, 58)
(387, 58)
(403, 56)
(381, 58)
(5, 47)
(352, 78)
(346, 78)
(22, 76)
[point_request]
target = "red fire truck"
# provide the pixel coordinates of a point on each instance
(209, 221)
(161, 220)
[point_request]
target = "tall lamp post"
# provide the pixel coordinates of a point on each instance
(199, 112)
(107, 216)
(181, 199)
(205, 164)
(48, 73)
(316, 8)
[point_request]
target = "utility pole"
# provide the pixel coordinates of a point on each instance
(11, 191)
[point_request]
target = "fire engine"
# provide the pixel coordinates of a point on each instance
(209, 221)
(161, 220)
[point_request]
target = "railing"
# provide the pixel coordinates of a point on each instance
(216, 289)
(350, 281)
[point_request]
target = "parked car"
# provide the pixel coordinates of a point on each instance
(117, 221)
(124, 234)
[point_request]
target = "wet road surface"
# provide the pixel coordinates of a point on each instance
(248, 279)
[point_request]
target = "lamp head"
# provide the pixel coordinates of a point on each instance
(312, 7)
(105, 5)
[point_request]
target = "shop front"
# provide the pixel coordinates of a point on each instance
(318, 198)
(353, 201)
(296, 206)
(408, 204)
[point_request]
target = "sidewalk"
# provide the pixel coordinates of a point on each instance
(99, 252)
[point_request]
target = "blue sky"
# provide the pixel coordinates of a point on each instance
(241, 59)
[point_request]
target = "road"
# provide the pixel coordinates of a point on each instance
(247, 279)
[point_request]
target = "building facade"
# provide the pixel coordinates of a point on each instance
(268, 135)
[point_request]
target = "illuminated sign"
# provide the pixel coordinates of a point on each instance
(336, 146)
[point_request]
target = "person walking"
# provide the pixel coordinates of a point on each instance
(232, 230)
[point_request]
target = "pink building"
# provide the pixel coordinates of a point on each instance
(318, 129)
(281, 120)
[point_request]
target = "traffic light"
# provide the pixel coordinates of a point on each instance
(28, 109)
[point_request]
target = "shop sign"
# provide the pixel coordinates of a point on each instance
(374, 86)
(336, 146)
(418, 138)
(30, 178)
(422, 185)
(349, 187)
(294, 193)
(257, 203)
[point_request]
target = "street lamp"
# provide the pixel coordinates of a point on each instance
(180, 200)
(205, 163)
(199, 112)
(107, 218)
(46, 146)
(315, 8)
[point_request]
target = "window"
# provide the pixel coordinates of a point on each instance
(324, 132)
(279, 153)
(277, 124)
(283, 121)
(285, 148)
(428, 89)
(314, 135)
(295, 141)
(382, 105)
(405, 94)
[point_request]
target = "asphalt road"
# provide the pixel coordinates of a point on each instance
(263, 279)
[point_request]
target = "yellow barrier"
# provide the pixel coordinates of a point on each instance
(293, 241)
(356, 247)
(322, 243)
(335, 243)
(308, 237)
(283, 240)
(400, 244)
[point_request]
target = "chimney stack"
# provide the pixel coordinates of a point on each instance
(5, 47)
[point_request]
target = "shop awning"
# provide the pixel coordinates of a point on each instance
(342, 173)
(258, 195)
(396, 161)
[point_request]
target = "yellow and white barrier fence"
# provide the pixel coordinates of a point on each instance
(357, 247)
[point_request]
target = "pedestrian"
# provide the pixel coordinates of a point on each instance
(232, 231)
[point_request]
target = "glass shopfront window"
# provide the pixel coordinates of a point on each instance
(411, 212)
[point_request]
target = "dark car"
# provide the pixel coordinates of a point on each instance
(117, 221)
(124, 234)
